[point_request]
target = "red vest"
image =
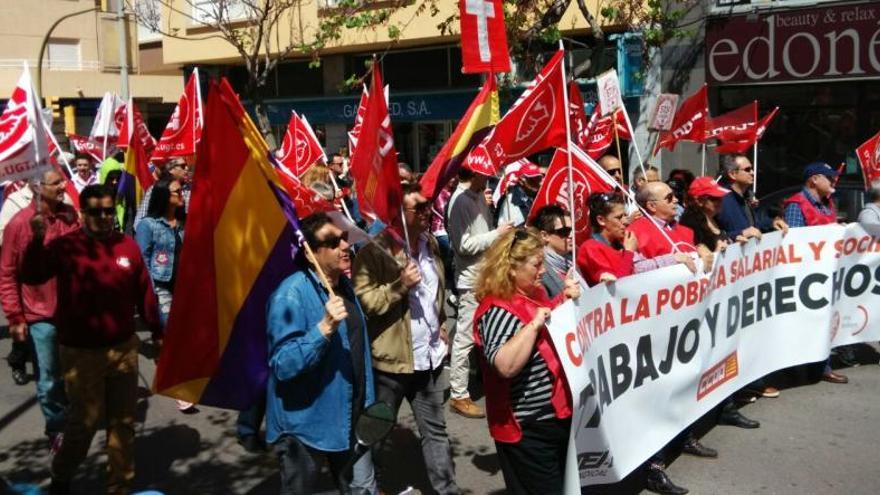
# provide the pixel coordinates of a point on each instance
(503, 426)
(812, 215)
(653, 244)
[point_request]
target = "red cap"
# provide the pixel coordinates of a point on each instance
(706, 186)
(529, 170)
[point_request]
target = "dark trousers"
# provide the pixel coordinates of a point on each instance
(300, 468)
(536, 464)
(249, 421)
(426, 393)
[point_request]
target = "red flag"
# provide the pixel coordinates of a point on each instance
(374, 163)
(123, 122)
(304, 199)
(534, 123)
(554, 188)
(689, 123)
(869, 158)
(24, 150)
(483, 36)
(358, 121)
(735, 125)
(82, 144)
(184, 129)
(765, 122)
(600, 133)
(476, 123)
(300, 148)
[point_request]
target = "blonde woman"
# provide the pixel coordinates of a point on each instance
(528, 402)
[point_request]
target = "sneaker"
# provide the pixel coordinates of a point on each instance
(19, 376)
(186, 407)
(765, 391)
(466, 407)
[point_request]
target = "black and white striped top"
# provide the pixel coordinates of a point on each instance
(531, 389)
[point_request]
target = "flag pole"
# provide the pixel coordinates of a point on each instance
(405, 231)
(703, 161)
(755, 168)
(568, 155)
(633, 131)
(616, 135)
(318, 269)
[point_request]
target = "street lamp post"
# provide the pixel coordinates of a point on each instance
(46, 42)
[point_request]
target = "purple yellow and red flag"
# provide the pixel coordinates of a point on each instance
(239, 236)
(477, 122)
(136, 176)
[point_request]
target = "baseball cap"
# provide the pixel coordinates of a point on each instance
(706, 186)
(529, 170)
(817, 168)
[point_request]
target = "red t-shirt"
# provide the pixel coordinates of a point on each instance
(653, 244)
(596, 257)
(101, 283)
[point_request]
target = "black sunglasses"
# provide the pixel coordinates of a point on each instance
(562, 232)
(747, 170)
(332, 242)
(668, 198)
(98, 211)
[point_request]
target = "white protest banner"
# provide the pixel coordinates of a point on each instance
(608, 91)
(664, 112)
(649, 354)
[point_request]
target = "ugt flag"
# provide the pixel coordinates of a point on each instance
(689, 123)
(24, 151)
(184, 129)
(300, 148)
(483, 36)
(869, 158)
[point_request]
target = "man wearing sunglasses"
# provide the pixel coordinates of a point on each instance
(320, 371)
(555, 227)
(402, 291)
(30, 308)
(101, 282)
(738, 216)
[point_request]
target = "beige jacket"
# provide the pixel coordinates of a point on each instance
(385, 302)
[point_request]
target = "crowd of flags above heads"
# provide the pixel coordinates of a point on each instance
(251, 197)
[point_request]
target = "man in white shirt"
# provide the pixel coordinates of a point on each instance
(401, 292)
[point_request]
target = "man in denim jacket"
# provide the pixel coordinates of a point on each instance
(320, 369)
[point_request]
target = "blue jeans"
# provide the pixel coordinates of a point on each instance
(50, 385)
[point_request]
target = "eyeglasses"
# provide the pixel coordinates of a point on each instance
(668, 198)
(597, 200)
(332, 242)
(108, 211)
(614, 171)
(747, 170)
(421, 208)
(561, 232)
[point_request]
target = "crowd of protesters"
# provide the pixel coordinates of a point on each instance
(367, 322)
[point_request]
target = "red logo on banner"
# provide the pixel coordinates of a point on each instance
(869, 158)
(14, 124)
(300, 148)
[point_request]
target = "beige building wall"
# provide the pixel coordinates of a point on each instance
(417, 30)
(91, 42)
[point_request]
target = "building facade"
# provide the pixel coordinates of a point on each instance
(81, 60)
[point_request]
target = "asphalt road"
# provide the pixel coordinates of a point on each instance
(815, 439)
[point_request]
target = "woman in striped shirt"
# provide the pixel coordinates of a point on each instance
(528, 402)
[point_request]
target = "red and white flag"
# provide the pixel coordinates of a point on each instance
(535, 122)
(300, 148)
(24, 150)
(600, 131)
(374, 162)
(764, 123)
(748, 138)
(95, 149)
(184, 129)
(106, 123)
(579, 122)
(735, 125)
(483, 36)
(123, 122)
(358, 121)
(689, 123)
(869, 158)
(554, 189)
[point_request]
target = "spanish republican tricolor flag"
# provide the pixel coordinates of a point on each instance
(237, 252)
(136, 177)
(476, 123)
